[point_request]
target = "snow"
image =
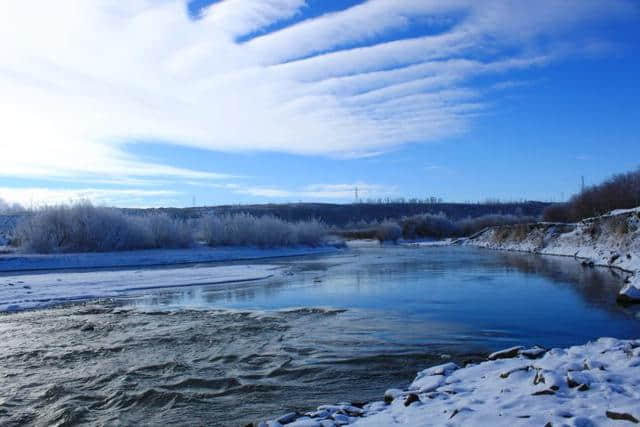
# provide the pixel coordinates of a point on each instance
(623, 211)
(631, 291)
(594, 384)
(22, 262)
(611, 240)
(25, 291)
(520, 391)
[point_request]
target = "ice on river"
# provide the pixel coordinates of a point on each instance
(25, 291)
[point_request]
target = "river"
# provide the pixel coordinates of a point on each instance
(342, 327)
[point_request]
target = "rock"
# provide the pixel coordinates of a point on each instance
(583, 387)
(444, 369)
(322, 414)
(588, 262)
(621, 416)
(391, 394)
(543, 392)
(577, 378)
(352, 410)
(327, 423)
(304, 422)
(506, 353)
(533, 352)
(411, 397)
(630, 293)
(614, 258)
(521, 368)
(341, 419)
(287, 418)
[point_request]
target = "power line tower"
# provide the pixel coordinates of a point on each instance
(356, 194)
(582, 184)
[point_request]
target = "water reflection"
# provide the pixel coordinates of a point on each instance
(451, 295)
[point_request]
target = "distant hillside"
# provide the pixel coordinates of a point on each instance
(342, 214)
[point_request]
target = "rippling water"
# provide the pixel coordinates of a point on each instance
(339, 328)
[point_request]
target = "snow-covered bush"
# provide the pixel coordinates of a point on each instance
(428, 225)
(266, 231)
(388, 231)
(10, 208)
(83, 227)
(169, 232)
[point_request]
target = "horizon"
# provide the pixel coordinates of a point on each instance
(177, 103)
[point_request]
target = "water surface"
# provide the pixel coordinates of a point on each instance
(337, 328)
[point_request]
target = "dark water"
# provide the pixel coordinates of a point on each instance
(339, 328)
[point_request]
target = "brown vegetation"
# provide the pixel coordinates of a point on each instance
(621, 191)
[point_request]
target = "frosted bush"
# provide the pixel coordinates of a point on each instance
(388, 231)
(267, 231)
(86, 228)
(10, 208)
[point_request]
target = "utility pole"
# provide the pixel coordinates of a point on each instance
(356, 191)
(582, 184)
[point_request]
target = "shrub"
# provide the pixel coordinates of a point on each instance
(84, 228)
(10, 208)
(429, 225)
(388, 231)
(621, 191)
(439, 226)
(267, 231)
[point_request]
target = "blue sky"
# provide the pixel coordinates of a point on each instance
(155, 103)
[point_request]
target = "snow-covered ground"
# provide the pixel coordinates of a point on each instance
(21, 262)
(40, 290)
(589, 385)
(611, 240)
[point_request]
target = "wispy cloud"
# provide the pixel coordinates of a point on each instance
(39, 196)
(312, 192)
(80, 79)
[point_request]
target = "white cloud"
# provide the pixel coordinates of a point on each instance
(79, 79)
(40, 196)
(312, 192)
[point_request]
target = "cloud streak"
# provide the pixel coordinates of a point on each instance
(80, 80)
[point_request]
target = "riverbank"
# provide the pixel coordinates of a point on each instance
(597, 383)
(31, 291)
(611, 240)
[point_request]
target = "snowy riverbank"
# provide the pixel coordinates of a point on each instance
(26, 262)
(593, 384)
(28, 291)
(611, 240)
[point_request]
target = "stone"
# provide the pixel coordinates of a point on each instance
(411, 397)
(507, 353)
(543, 393)
(287, 418)
(391, 394)
(533, 352)
(621, 416)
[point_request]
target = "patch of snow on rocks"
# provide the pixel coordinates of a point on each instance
(593, 384)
